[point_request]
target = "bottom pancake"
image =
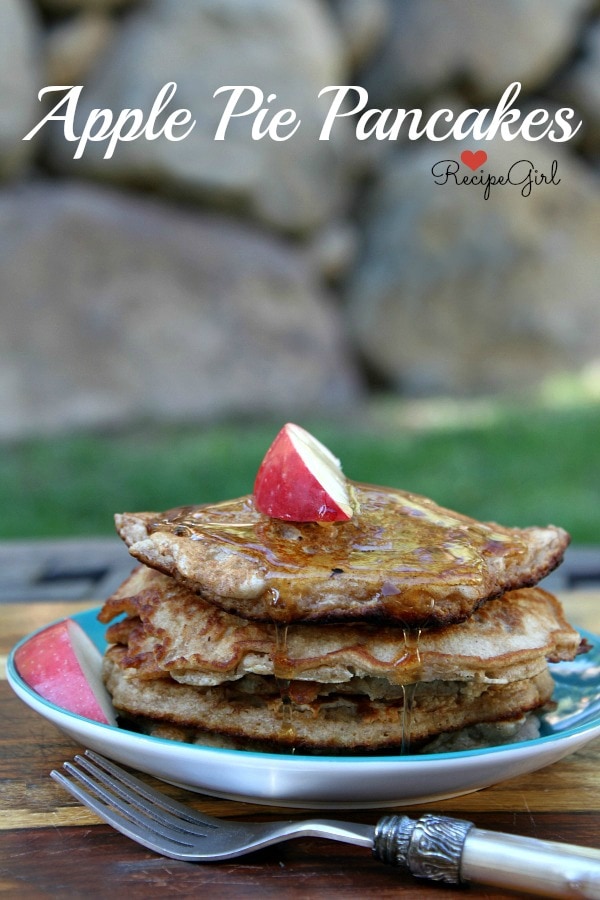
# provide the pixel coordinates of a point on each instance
(472, 737)
(321, 717)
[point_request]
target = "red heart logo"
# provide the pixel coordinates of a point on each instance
(473, 160)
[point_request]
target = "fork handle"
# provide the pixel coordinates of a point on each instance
(454, 850)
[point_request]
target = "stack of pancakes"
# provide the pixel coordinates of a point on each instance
(406, 622)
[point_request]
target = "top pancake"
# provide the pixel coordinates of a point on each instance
(401, 559)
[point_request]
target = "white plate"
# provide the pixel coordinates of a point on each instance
(323, 781)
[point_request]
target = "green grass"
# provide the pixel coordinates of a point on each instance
(515, 467)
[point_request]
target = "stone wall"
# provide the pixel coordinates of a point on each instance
(199, 279)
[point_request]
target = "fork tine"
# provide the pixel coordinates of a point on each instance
(127, 806)
(127, 802)
(131, 828)
(148, 801)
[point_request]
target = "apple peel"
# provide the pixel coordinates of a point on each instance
(63, 665)
(300, 480)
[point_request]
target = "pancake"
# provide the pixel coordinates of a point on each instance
(178, 664)
(332, 718)
(170, 631)
(401, 559)
(471, 737)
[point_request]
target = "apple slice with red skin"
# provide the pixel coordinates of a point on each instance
(300, 480)
(63, 665)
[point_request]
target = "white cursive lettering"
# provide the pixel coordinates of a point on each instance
(260, 129)
(101, 124)
(261, 116)
(481, 124)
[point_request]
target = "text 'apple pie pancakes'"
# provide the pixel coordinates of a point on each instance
(347, 618)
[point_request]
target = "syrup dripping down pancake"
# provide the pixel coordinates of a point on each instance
(401, 559)
(169, 631)
(332, 718)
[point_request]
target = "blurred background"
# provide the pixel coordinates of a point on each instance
(165, 311)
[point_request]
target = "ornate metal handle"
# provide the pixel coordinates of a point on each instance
(430, 847)
(453, 850)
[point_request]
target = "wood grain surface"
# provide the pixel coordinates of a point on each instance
(50, 846)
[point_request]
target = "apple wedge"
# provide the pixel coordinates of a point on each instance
(300, 480)
(63, 665)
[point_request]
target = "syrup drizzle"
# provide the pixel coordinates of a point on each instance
(412, 654)
(408, 696)
(399, 541)
(287, 730)
(187, 526)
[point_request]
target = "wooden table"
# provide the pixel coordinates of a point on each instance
(52, 847)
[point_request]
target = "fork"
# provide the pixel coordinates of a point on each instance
(435, 847)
